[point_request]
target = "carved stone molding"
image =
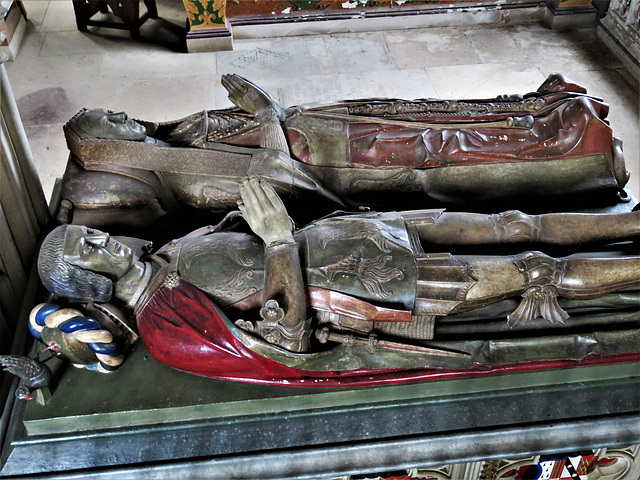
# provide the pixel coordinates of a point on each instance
(213, 23)
(620, 31)
(601, 464)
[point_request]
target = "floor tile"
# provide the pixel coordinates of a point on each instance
(558, 52)
(430, 48)
(60, 17)
(95, 94)
(31, 45)
(165, 34)
(538, 34)
(120, 41)
(38, 136)
(36, 10)
(494, 45)
(46, 106)
(263, 62)
(364, 52)
(132, 65)
(30, 74)
(247, 45)
(298, 57)
(147, 99)
(50, 154)
(393, 84)
(172, 11)
(484, 80)
(58, 44)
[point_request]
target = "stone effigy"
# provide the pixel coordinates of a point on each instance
(360, 299)
(377, 153)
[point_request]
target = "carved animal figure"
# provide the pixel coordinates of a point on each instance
(32, 373)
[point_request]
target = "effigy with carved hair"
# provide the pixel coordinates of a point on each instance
(363, 299)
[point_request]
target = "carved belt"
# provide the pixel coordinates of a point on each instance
(145, 156)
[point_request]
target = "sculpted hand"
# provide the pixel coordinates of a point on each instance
(252, 99)
(264, 211)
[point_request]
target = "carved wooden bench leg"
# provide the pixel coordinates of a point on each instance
(128, 12)
(83, 14)
(151, 8)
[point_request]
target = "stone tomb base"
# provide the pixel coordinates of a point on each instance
(147, 412)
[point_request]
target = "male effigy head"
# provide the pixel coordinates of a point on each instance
(66, 280)
(106, 124)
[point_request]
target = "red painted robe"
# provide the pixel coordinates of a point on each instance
(182, 328)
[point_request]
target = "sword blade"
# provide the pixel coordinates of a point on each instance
(419, 349)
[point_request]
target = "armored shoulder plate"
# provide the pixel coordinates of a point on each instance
(228, 266)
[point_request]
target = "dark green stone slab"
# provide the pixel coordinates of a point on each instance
(151, 414)
(144, 392)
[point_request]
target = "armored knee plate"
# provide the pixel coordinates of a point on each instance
(542, 275)
(514, 225)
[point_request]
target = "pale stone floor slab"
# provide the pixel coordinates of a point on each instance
(60, 70)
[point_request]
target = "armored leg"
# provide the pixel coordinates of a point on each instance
(540, 279)
(454, 228)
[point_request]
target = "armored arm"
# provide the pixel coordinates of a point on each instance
(283, 314)
(252, 99)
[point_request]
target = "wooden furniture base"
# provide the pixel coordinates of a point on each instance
(127, 10)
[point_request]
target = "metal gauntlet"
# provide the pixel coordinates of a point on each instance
(294, 338)
(284, 312)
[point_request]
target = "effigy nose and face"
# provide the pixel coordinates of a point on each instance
(363, 298)
(349, 154)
